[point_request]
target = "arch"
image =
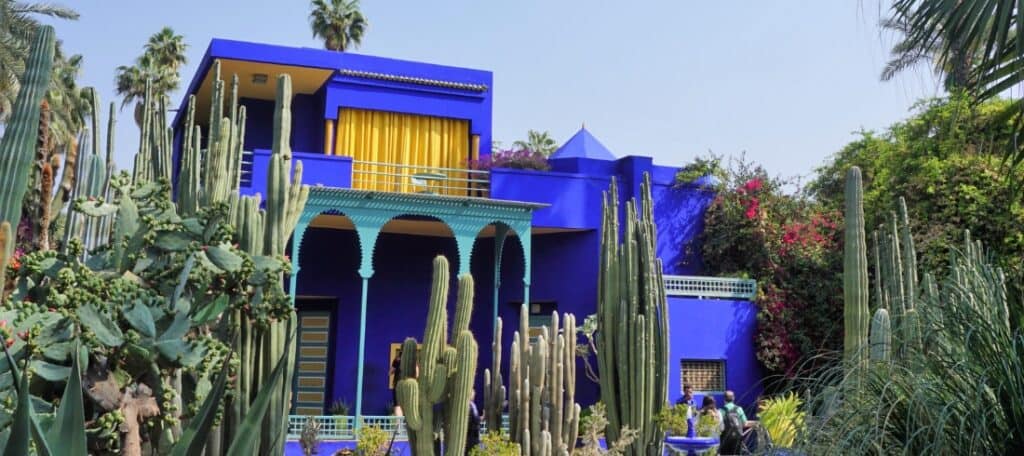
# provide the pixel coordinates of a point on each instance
(398, 218)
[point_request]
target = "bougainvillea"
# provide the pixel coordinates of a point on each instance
(755, 228)
(515, 159)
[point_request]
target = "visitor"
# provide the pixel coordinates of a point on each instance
(396, 372)
(733, 424)
(473, 430)
(730, 406)
(687, 398)
(709, 420)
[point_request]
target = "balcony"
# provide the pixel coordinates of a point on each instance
(344, 172)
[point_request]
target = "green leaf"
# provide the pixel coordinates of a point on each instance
(193, 437)
(50, 267)
(193, 226)
(18, 443)
(68, 432)
(105, 330)
(141, 319)
(142, 264)
(205, 262)
(178, 328)
(49, 371)
(97, 208)
(60, 331)
(211, 310)
(266, 263)
(243, 443)
(172, 241)
(23, 421)
(222, 256)
(182, 281)
(58, 352)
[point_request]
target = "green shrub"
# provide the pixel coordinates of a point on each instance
(495, 444)
(373, 441)
(673, 419)
(783, 418)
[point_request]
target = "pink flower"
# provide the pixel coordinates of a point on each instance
(753, 185)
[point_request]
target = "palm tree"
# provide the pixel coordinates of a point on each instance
(162, 58)
(339, 23)
(989, 30)
(905, 54)
(68, 104)
(18, 26)
(538, 141)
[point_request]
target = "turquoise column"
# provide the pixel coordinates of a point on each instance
(500, 231)
(367, 239)
(525, 239)
(362, 350)
(300, 230)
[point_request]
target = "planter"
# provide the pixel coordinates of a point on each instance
(690, 445)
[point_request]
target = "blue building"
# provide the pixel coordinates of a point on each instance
(386, 145)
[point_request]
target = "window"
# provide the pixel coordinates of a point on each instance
(703, 374)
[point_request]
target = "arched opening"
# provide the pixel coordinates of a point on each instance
(399, 293)
(327, 290)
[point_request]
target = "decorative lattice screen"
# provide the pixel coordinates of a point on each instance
(703, 375)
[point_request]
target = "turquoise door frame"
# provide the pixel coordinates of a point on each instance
(369, 211)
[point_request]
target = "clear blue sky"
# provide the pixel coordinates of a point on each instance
(785, 81)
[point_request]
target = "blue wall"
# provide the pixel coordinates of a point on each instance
(715, 330)
(307, 124)
(400, 288)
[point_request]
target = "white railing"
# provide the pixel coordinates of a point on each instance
(340, 427)
(392, 177)
(710, 287)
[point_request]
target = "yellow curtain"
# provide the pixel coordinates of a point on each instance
(391, 150)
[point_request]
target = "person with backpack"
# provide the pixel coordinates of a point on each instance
(733, 422)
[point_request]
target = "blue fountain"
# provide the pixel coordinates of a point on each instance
(691, 444)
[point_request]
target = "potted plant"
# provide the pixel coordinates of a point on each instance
(340, 410)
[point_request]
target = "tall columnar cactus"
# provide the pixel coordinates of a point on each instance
(632, 334)
(880, 337)
(494, 390)
(855, 272)
(543, 414)
(896, 284)
(17, 148)
(443, 372)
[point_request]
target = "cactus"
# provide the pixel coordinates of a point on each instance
(880, 336)
(632, 329)
(445, 373)
(855, 272)
(543, 414)
(494, 390)
(21, 131)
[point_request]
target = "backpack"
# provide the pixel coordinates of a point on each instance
(731, 439)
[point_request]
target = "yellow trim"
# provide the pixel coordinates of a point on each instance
(403, 139)
(329, 137)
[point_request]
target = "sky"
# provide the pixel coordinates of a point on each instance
(787, 82)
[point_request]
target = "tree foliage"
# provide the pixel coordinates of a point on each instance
(946, 161)
(755, 229)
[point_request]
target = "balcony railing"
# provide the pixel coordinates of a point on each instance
(393, 177)
(710, 287)
(343, 427)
